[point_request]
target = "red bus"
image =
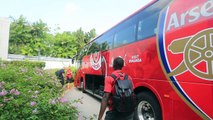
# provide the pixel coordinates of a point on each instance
(168, 51)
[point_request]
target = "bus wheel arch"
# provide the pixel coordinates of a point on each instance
(148, 106)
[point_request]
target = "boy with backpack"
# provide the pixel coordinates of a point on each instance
(118, 94)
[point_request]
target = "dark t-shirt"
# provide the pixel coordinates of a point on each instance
(61, 72)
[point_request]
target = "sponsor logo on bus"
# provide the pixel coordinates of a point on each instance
(135, 59)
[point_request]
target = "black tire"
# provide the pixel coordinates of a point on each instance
(147, 107)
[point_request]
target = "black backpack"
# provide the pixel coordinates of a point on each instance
(123, 99)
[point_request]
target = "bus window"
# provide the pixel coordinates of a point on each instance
(147, 27)
(106, 42)
(93, 48)
(125, 36)
(148, 19)
(125, 33)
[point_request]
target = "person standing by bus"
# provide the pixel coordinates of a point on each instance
(69, 77)
(112, 114)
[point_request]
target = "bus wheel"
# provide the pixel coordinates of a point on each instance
(148, 107)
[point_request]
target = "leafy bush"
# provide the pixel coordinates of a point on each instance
(28, 64)
(28, 92)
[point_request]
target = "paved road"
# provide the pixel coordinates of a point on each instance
(87, 105)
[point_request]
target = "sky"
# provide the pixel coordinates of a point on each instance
(71, 15)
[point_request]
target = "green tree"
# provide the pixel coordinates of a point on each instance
(80, 37)
(19, 34)
(49, 44)
(38, 44)
(34, 39)
(64, 45)
(90, 35)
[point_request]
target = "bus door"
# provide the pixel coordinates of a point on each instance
(97, 69)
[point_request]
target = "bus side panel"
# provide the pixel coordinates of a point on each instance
(141, 60)
(142, 64)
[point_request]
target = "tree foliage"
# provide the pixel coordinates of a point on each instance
(35, 39)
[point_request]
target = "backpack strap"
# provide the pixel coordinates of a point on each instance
(115, 77)
(125, 77)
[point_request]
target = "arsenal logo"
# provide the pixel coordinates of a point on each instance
(185, 49)
(95, 60)
(197, 50)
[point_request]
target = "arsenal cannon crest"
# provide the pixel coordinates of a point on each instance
(197, 49)
(185, 49)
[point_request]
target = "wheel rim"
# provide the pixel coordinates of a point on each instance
(145, 111)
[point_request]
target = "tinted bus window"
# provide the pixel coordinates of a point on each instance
(148, 19)
(147, 27)
(94, 47)
(125, 33)
(105, 42)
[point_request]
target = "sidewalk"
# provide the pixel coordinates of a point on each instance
(87, 105)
